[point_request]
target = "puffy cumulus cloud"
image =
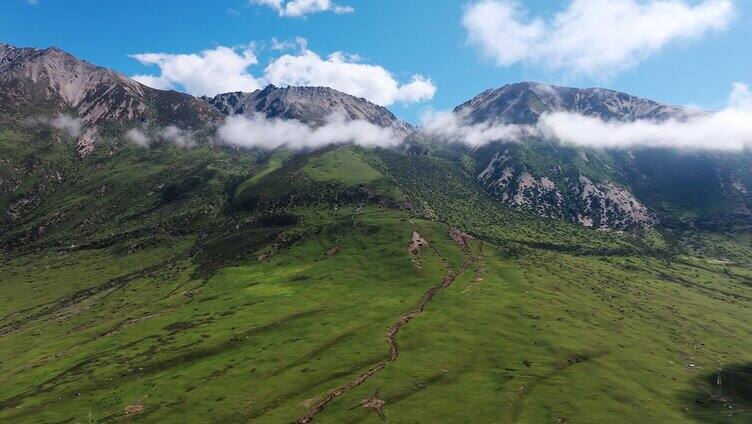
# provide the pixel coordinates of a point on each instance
(417, 90)
(729, 129)
(300, 8)
(219, 70)
(345, 73)
(591, 37)
(258, 131)
(225, 69)
(72, 126)
(155, 81)
(450, 127)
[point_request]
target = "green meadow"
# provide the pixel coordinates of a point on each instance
(261, 306)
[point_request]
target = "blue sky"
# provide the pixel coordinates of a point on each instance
(425, 37)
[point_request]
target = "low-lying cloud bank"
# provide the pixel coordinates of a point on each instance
(450, 127)
(172, 134)
(729, 129)
(70, 125)
(725, 130)
(258, 131)
(138, 137)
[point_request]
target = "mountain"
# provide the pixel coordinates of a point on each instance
(167, 282)
(607, 189)
(524, 103)
(51, 81)
(307, 104)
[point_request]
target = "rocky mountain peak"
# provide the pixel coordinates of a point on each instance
(52, 80)
(312, 105)
(566, 182)
(525, 102)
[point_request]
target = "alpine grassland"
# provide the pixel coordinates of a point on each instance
(349, 285)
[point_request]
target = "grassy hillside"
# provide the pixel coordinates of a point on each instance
(207, 285)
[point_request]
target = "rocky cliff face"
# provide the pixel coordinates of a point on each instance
(607, 189)
(554, 181)
(569, 196)
(311, 105)
(619, 190)
(50, 81)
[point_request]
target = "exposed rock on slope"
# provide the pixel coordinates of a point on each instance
(593, 187)
(50, 81)
(608, 205)
(417, 242)
(603, 205)
(312, 105)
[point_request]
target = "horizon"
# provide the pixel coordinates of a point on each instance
(405, 69)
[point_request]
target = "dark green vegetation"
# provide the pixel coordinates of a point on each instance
(213, 285)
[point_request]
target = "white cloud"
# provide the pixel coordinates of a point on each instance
(591, 37)
(344, 73)
(138, 137)
(299, 43)
(729, 129)
(258, 131)
(179, 136)
(209, 72)
(450, 127)
(741, 96)
(299, 8)
(73, 126)
(154, 81)
(225, 69)
(417, 90)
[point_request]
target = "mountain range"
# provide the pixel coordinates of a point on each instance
(311, 105)
(154, 272)
(603, 189)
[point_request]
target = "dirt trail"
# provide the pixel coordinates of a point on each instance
(464, 242)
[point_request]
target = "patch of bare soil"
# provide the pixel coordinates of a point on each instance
(374, 403)
(416, 243)
(134, 409)
(461, 238)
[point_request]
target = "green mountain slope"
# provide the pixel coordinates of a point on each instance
(620, 189)
(347, 284)
(249, 286)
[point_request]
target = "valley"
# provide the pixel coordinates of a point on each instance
(187, 279)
